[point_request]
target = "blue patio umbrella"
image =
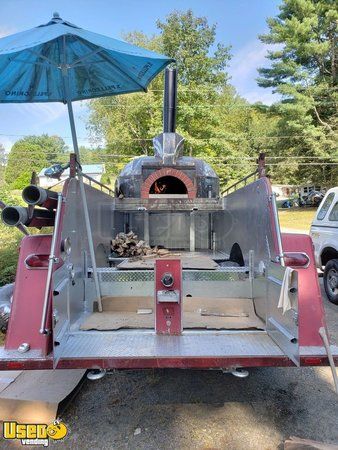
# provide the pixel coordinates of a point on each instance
(35, 64)
(61, 62)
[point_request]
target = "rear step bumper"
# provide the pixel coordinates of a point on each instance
(128, 350)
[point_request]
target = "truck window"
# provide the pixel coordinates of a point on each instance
(334, 213)
(326, 205)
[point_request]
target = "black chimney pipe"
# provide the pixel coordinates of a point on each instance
(170, 101)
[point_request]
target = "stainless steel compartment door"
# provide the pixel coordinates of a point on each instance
(170, 229)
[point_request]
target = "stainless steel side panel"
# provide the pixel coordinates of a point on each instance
(283, 328)
(69, 281)
(246, 220)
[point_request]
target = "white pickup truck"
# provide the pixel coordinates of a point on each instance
(324, 233)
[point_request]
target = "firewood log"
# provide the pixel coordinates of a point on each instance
(128, 245)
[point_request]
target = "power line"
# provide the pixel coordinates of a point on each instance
(50, 135)
(223, 163)
(226, 159)
(216, 90)
(205, 157)
(236, 137)
(200, 106)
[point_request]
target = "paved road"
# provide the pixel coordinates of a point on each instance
(185, 409)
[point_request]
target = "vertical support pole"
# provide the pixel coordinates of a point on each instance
(261, 165)
(146, 236)
(277, 229)
(192, 231)
(85, 207)
(213, 241)
(67, 97)
(51, 262)
(72, 165)
(251, 271)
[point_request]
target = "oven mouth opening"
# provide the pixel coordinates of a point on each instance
(168, 186)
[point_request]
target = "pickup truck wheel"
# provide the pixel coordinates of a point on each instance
(331, 280)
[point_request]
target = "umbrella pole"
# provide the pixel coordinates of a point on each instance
(85, 207)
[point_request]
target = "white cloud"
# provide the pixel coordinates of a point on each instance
(246, 61)
(5, 30)
(38, 118)
(7, 142)
(46, 113)
(243, 70)
(265, 96)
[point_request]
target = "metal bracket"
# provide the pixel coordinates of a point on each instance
(251, 270)
(237, 372)
(52, 258)
(168, 296)
(96, 374)
(272, 199)
(323, 335)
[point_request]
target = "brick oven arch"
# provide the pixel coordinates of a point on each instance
(171, 172)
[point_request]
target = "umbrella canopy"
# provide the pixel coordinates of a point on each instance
(59, 61)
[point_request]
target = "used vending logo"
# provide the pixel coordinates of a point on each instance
(34, 434)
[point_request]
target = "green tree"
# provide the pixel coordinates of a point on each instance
(304, 71)
(3, 160)
(191, 41)
(32, 153)
(3, 156)
(216, 123)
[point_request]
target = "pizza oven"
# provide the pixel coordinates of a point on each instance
(168, 174)
(169, 199)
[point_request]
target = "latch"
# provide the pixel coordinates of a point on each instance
(168, 295)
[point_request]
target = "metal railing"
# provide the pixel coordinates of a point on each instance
(93, 181)
(243, 182)
(277, 229)
(51, 261)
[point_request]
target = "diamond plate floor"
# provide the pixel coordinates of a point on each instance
(148, 345)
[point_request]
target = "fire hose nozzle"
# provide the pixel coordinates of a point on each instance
(36, 195)
(16, 215)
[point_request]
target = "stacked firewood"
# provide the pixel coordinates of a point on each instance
(127, 245)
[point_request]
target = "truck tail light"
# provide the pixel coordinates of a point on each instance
(312, 361)
(37, 261)
(296, 259)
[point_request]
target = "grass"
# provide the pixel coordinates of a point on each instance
(9, 238)
(2, 339)
(9, 247)
(296, 218)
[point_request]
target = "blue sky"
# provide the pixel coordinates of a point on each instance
(238, 24)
